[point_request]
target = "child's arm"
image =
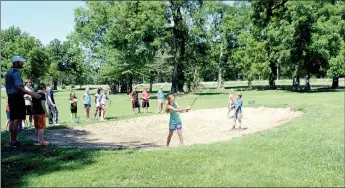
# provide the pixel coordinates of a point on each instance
(82, 98)
(181, 110)
(43, 103)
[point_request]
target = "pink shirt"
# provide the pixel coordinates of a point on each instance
(145, 95)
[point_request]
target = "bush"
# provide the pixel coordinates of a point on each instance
(63, 87)
(72, 86)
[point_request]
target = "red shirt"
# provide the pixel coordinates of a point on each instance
(145, 95)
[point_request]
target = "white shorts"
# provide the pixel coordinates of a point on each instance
(160, 101)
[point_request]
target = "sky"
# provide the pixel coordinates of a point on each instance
(45, 20)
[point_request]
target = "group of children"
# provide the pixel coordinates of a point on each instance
(145, 96)
(100, 101)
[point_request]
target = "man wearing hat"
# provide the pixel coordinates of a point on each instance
(15, 91)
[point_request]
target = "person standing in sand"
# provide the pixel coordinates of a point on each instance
(175, 122)
(160, 99)
(238, 111)
(231, 102)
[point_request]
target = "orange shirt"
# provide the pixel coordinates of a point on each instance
(145, 95)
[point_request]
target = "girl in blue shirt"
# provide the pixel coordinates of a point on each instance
(87, 103)
(175, 122)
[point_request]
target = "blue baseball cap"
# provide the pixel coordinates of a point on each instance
(17, 59)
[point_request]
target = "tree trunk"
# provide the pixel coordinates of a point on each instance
(151, 81)
(273, 75)
(130, 83)
(220, 69)
(335, 82)
(174, 86)
(307, 84)
(295, 83)
(55, 84)
(250, 85)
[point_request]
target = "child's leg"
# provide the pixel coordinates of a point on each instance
(30, 120)
(88, 112)
(179, 132)
(96, 112)
(102, 112)
(171, 132)
(36, 135)
(40, 135)
(161, 107)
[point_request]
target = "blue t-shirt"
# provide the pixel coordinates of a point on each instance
(13, 78)
(174, 117)
(87, 98)
(238, 105)
(160, 95)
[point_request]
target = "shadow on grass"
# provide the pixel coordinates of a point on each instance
(75, 151)
(30, 160)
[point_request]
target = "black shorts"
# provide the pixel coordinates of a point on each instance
(74, 110)
(28, 110)
(87, 105)
(16, 103)
(135, 104)
(146, 104)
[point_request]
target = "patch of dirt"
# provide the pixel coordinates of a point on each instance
(199, 127)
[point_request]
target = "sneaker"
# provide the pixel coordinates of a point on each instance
(44, 143)
(37, 143)
(17, 144)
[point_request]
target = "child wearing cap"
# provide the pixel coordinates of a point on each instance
(160, 99)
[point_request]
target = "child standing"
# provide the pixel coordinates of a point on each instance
(103, 97)
(28, 100)
(97, 103)
(87, 103)
(74, 107)
(40, 114)
(238, 111)
(145, 95)
(175, 122)
(231, 102)
(160, 99)
(134, 99)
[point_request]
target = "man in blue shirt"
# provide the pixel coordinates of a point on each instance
(15, 91)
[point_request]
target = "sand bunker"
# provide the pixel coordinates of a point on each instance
(199, 126)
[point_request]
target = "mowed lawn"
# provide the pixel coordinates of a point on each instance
(308, 151)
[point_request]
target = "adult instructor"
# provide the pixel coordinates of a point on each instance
(15, 92)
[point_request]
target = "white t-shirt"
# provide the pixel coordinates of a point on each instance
(104, 97)
(97, 99)
(28, 99)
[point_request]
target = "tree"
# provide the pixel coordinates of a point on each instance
(16, 42)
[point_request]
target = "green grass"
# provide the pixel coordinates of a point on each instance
(308, 151)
